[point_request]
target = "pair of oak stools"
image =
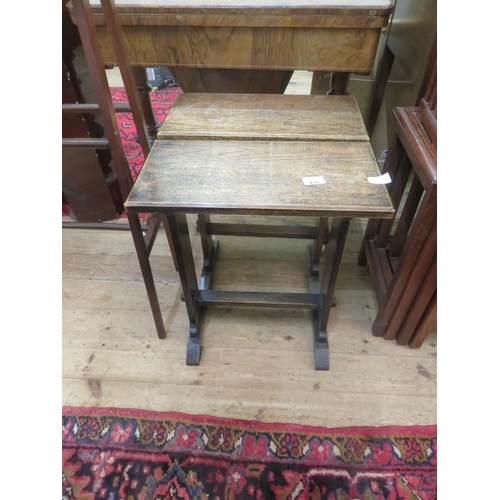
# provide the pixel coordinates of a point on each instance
(257, 154)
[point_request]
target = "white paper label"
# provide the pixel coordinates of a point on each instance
(380, 179)
(311, 181)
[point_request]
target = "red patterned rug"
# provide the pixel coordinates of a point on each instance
(161, 101)
(120, 454)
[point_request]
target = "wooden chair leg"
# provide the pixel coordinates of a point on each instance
(409, 260)
(419, 306)
(426, 323)
(321, 228)
(168, 234)
(207, 243)
(339, 81)
(187, 274)
(382, 79)
(333, 259)
(147, 274)
(391, 164)
(416, 279)
(144, 89)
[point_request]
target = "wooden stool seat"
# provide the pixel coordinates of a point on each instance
(261, 178)
(265, 117)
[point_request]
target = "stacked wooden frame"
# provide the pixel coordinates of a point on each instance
(402, 253)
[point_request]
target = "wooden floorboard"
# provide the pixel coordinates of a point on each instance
(256, 363)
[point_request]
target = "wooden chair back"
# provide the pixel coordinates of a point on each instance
(86, 26)
(402, 253)
(427, 107)
(104, 106)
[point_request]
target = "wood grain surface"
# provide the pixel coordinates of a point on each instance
(347, 49)
(293, 34)
(264, 117)
(254, 177)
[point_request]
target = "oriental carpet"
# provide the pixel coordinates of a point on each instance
(161, 102)
(125, 454)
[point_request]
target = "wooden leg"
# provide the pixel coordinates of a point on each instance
(394, 156)
(413, 265)
(333, 257)
(320, 83)
(338, 83)
(406, 217)
(233, 81)
(321, 227)
(187, 273)
(415, 281)
(419, 305)
(147, 274)
(168, 234)
(426, 323)
(141, 79)
(384, 71)
(207, 243)
(396, 191)
(207, 273)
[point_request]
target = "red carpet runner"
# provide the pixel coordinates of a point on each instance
(131, 454)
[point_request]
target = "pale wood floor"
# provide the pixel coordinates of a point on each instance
(256, 363)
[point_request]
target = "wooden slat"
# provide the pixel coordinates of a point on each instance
(376, 272)
(412, 285)
(422, 153)
(261, 230)
(396, 190)
(418, 308)
(151, 232)
(404, 223)
(92, 108)
(430, 96)
(259, 299)
(123, 59)
(391, 163)
(394, 263)
(385, 265)
(425, 325)
(98, 225)
(429, 121)
(93, 55)
(85, 187)
(86, 142)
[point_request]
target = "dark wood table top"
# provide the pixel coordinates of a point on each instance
(261, 178)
